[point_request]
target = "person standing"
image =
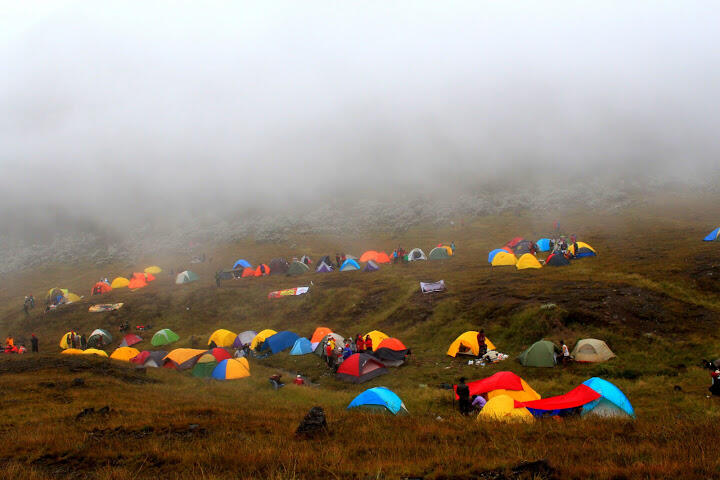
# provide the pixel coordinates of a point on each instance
(452, 246)
(337, 260)
(368, 344)
(463, 393)
(26, 306)
(565, 352)
(34, 343)
(360, 344)
(482, 344)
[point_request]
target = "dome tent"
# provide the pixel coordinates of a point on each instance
(302, 346)
(540, 354)
(164, 337)
(467, 344)
(379, 398)
(186, 277)
(416, 254)
(591, 350)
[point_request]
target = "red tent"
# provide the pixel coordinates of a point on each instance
(220, 354)
(359, 368)
(498, 381)
(382, 257)
(149, 277)
(577, 397)
(514, 242)
(138, 280)
(100, 287)
(129, 340)
(262, 270)
(248, 272)
(141, 357)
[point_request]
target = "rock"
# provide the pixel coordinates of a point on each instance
(78, 382)
(314, 423)
(85, 412)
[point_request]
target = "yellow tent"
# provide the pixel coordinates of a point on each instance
(222, 338)
(502, 259)
(120, 282)
(448, 249)
(468, 340)
(377, 336)
(124, 354)
(63, 340)
(233, 368)
(527, 394)
(260, 337)
(95, 351)
(72, 351)
(71, 297)
(571, 248)
(154, 270)
(503, 408)
(184, 358)
(527, 260)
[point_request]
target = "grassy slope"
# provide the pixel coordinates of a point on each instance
(652, 294)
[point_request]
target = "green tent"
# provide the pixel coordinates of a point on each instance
(438, 253)
(204, 366)
(99, 338)
(164, 337)
(540, 354)
(186, 277)
(297, 268)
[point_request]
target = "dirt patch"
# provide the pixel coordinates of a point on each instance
(188, 432)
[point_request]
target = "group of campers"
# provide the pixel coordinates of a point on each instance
(335, 354)
(562, 244)
(10, 346)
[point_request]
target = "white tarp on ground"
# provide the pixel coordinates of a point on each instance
(432, 286)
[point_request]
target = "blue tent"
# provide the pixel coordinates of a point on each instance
(242, 263)
(349, 265)
(379, 397)
(492, 254)
(280, 341)
(302, 347)
(323, 268)
(714, 235)
(612, 402)
(543, 244)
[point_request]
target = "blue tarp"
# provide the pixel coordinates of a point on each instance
(713, 235)
(280, 341)
(543, 244)
(242, 263)
(379, 396)
(349, 264)
(609, 392)
(302, 347)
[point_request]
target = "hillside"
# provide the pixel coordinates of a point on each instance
(652, 294)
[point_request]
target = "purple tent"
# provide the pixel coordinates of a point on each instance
(244, 338)
(323, 268)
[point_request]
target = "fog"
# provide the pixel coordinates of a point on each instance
(152, 109)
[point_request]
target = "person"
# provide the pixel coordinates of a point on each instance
(368, 344)
(565, 352)
(329, 352)
(275, 381)
(32, 301)
(217, 279)
(343, 257)
(452, 246)
(299, 380)
(360, 344)
(83, 342)
(337, 260)
(21, 349)
(463, 393)
(26, 306)
(482, 345)
(478, 402)
(715, 385)
(573, 238)
(262, 269)
(9, 342)
(347, 351)
(34, 343)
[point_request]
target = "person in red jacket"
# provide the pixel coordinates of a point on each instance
(360, 344)
(368, 344)
(329, 354)
(482, 345)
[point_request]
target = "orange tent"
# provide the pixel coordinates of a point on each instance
(320, 333)
(369, 255)
(99, 288)
(262, 270)
(382, 257)
(392, 344)
(149, 277)
(248, 272)
(138, 280)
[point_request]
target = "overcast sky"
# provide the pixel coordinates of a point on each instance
(176, 103)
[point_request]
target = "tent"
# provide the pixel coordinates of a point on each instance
(326, 259)
(371, 266)
(297, 268)
(149, 358)
(502, 383)
(416, 254)
(244, 338)
(391, 352)
(591, 350)
(153, 270)
(432, 287)
(260, 338)
(540, 354)
(57, 296)
(124, 354)
(164, 337)
(278, 265)
(492, 253)
(248, 272)
(377, 337)
(528, 260)
(100, 287)
(71, 297)
(557, 260)
(382, 257)
(204, 366)
(583, 250)
(186, 277)
(306, 259)
(320, 348)
(544, 244)
(612, 403)
(241, 263)
(324, 268)
(94, 351)
(503, 408)
(713, 236)
(503, 258)
(64, 343)
(318, 335)
(120, 282)
(182, 358)
(129, 340)
(512, 243)
(280, 341)
(349, 265)
(302, 346)
(232, 369)
(262, 270)
(222, 338)
(99, 337)
(523, 247)
(369, 255)
(138, 280)
(219, 354)
(72, 351)
(575, 398)
(439, 253)
(359, 368)
(379, 398)
(467, 344)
